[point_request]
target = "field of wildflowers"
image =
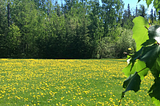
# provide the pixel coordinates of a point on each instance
(32, 82)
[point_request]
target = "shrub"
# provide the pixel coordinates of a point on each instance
(124, 42)
(105, 48)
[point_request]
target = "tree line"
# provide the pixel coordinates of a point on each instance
(72, 29)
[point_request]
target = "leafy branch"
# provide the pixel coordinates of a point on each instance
(131, 83)
(147, 57)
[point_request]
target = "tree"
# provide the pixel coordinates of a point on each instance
(95, 27)
(136, 11)
(13, 41)
(112, 13)
(48, 30)
(129, 12)
(127, 19)
(25, 15)
(142, 11)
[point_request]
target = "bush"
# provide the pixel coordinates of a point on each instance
(115, 48)
(105, 48)
(124, 42)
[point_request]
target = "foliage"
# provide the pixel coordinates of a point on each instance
(148, 54)
(142, 11)
(13, 40)
(146, 58)
(124, 42)
(127, 17)
(140, 35)
(112, 11)
(47, 29)
(105, 48)
(3, 29)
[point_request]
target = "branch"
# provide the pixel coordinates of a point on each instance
(141, 70)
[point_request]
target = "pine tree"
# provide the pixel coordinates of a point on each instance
(24, 15)
(136, 11)
(129, 12)
(112, 11)
(142, 11)
(127, 19)
(151, 15)
(3, 29)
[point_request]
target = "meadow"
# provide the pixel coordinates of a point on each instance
(64, 82)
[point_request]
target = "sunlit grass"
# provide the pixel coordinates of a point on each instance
(31, 82)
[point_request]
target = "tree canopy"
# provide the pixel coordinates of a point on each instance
(73, 29)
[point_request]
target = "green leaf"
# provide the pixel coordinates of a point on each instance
(148, 2)
(138, 66)
(150, 55)
(155, 70)
(149, 42)
(147, 54)
(156, 4)
(140, 33)
(154, 91)
(127, 70)
(126, 82)
(136, 56)
(131, 83)
(134, 83)
(158, 62)
(155, 101)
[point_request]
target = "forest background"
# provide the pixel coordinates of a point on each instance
(74, 29)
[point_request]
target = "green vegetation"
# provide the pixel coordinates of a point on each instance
(73, 29)
(62, 82)
(147, 58)
(76, 29)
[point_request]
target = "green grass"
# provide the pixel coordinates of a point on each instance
(31, 82)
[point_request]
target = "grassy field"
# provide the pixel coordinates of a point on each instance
(32, 82)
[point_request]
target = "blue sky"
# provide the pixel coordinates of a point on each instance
(133, 4)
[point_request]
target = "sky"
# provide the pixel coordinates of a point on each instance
(134, 3)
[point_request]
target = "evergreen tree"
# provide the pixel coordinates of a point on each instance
(76, 29)
(142, 11)
(13, 41)
(112, 12)
(3, 29)
(151, 16)
(129, 12)
(127, 19)
(136, 11)
(25, 15)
